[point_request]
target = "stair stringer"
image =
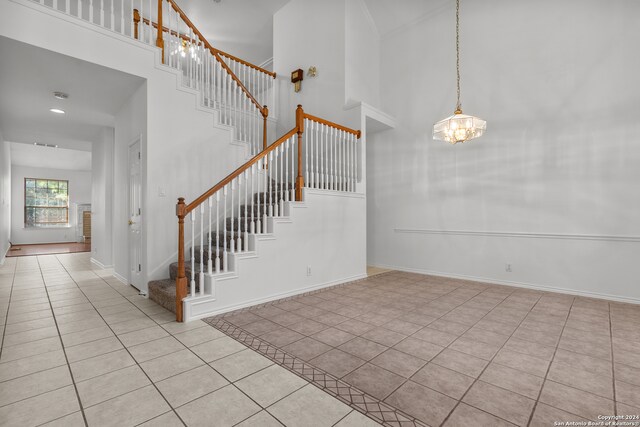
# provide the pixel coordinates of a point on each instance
(325, 232)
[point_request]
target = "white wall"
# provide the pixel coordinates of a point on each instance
(79, 193)
(307, 33)
(102, 197)
(552, 188)
(5, 196)
(362, 55)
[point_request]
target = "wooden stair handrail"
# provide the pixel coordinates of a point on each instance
(197, 202)
(332, 124)
(190, 40)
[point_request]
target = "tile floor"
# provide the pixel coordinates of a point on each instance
(455, 353)
(80, 348)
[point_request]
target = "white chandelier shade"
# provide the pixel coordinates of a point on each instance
(459, 128)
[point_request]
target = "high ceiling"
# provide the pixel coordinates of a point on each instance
(243, 28)
(28, 78)
(390, 16)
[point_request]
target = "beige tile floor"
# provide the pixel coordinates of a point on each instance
(80, 348)
(459, 353)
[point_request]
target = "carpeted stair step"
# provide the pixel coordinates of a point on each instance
(173, 271)
(163, 292)
(205, 256)
(219, 239)
(258, 210)
(271, 197)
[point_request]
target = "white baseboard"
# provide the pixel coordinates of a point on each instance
(99, 264)
(4, 255)
(270, 298)
(120, 278)
(586, 294)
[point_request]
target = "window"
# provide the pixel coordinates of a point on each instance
(46, 202)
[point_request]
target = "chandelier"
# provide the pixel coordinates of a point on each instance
(459, 127)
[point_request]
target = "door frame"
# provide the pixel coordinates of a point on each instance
(134, 141)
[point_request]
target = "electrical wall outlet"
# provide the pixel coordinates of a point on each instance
(308, 270)
(507, 268)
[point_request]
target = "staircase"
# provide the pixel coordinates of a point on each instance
(164, 291)
(226, 224)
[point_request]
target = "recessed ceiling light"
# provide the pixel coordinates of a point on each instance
(60, 95)
(40, 144)
(56, 110)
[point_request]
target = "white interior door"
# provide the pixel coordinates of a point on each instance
(135, 215)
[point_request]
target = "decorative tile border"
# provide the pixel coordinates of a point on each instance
(358, 400)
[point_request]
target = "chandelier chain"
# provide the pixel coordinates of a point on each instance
(458, 106)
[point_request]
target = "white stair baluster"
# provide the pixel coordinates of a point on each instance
(314, 152)
(321, 153)
(353, 161)
(102, 13)
(337, 133)
(333, 158)
(292, 197)
(336, 158)
(259, 222)
(347, 160)
(232, 230)
(280, 195)
(210, 260)
(239, 235)
(347, 138)
(264, 200)
(225, 265)
(285, 158)
(225, 93)
(112, 19)
(252, 224)
(245, 234)
(79, 8)
(192, 287)
(274, 177)
(270, 182)
(244, 109)
(121, 16)
(306, 153)
(151, 40)
(201, 276)
(218, 231)
(343, 163)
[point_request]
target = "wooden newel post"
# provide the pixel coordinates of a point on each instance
(300, 127)
(159, 39)
(181, 280)
(136, 22)
(265, 114)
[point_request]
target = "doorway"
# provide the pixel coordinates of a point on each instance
(135, 215)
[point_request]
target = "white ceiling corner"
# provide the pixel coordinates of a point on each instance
(392, 16)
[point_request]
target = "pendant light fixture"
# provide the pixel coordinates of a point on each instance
(459, 127)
